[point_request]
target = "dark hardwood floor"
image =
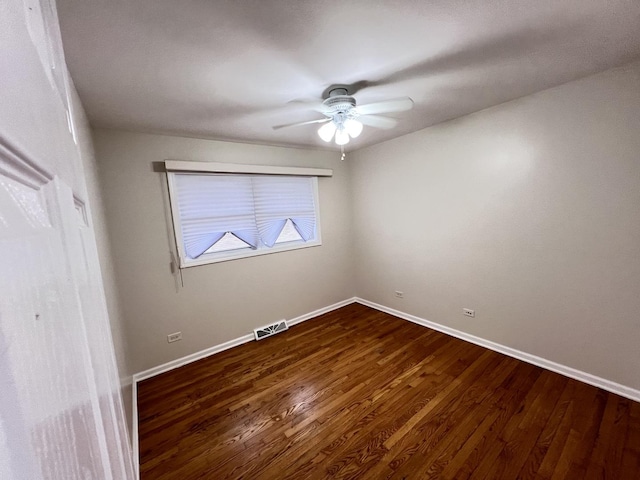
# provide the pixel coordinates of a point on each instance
(360, 394)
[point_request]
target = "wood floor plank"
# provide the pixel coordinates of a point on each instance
(356, 393)
(533, 464)
(507, 399)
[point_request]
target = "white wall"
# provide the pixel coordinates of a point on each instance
(528, 212)
(222, 301)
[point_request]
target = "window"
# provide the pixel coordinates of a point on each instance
(225, 216)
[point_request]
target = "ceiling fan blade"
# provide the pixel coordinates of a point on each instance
(297, 124)
(387, 106)
(479, 54)
(314, 105)
(377, 121)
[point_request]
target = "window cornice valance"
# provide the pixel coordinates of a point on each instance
(214, 167)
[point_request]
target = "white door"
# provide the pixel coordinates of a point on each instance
(60, 409)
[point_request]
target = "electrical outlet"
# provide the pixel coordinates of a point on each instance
(174, 337)
(468, 312)
(399, 294)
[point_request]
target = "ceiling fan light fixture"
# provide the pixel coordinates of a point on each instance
(353, 127)
(342, 137)
(326, 131)
(344, 119)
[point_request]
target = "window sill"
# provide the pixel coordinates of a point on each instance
(217, 258)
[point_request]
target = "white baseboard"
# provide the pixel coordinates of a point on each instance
(622, 390)
(134, 428)
(152, 372)
(207, 352)
(179, 362)
(320, 311)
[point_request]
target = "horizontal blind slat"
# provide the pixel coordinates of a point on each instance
(254, 208)
(280, 198)
(211, 205)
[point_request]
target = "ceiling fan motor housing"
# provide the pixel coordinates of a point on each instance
(340, 104)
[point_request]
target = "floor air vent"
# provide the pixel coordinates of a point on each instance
(268, 330)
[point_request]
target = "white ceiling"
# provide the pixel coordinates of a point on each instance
(229, 69)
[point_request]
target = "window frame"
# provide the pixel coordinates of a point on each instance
(174, 167)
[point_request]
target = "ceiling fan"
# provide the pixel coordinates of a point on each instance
(344, 119)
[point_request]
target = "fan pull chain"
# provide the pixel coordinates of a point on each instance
(342, 152)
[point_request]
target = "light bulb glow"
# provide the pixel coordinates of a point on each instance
(353, 127)
(326, 131)
(342, 137)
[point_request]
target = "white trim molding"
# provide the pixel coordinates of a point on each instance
(207, 352)
(179, 362)
(579, 375)
(178, 182)
(320, 311)
(613, 387)
(134, 428)
(213, 167)
(16, 164)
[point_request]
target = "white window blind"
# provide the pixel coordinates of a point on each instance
(212, 205)
(208, 208)
(278, 199)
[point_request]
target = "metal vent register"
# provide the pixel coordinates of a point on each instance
(268, 330)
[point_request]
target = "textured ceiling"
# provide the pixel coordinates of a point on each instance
(233, 69)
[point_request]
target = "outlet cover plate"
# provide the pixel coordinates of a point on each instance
(174, 337)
